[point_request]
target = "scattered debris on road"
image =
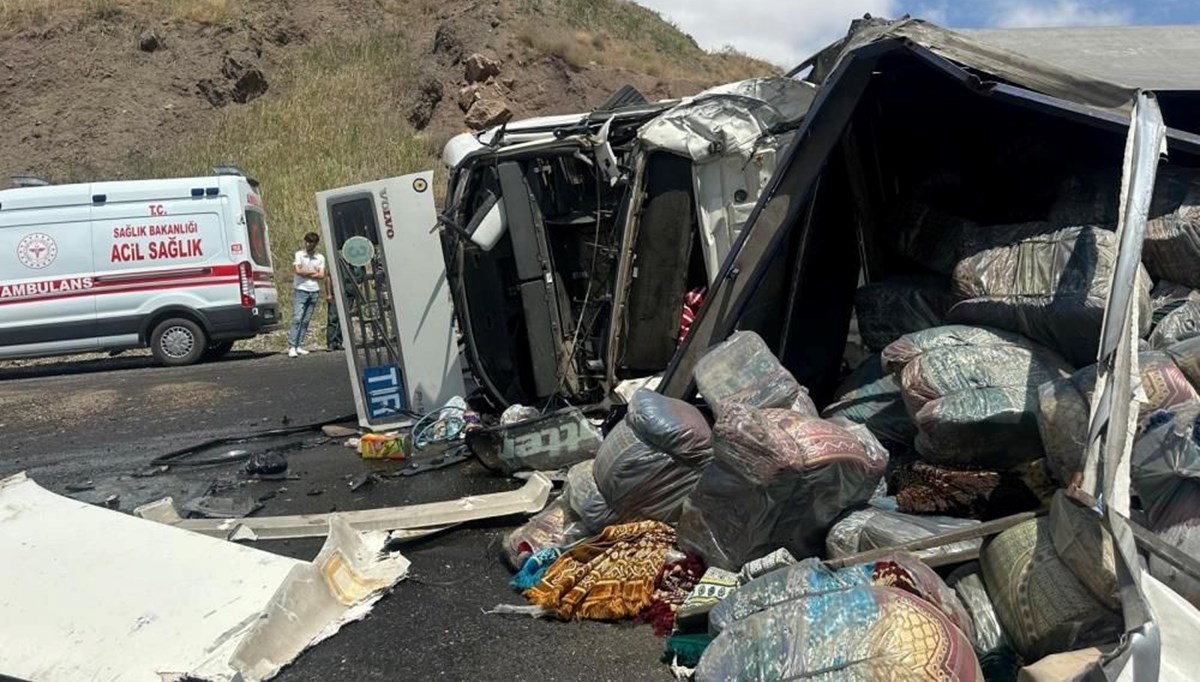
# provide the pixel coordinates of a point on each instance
(202, 608)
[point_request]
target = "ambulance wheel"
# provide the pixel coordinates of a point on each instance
(218, 350)
(178, 341)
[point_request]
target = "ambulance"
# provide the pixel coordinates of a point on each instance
(182, 266)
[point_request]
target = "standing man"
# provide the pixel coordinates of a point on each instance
(309, 268)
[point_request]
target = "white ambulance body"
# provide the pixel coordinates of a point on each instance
(180, 265)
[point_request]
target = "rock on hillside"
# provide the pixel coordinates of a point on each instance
(85, 92)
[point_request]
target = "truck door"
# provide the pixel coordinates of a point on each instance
(389, 284)
(47, 282)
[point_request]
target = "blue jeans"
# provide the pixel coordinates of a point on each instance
(304, 303)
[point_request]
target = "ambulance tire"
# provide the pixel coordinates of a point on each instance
(178, 341)
(218, 350)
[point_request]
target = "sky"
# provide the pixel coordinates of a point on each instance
(786, 32)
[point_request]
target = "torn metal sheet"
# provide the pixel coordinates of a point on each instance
(92, 594)
(529, 499)
(1113, 420)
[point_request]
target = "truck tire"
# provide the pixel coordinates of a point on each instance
(218, 350)
(178, 341)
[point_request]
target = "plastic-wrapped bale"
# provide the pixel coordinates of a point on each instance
(1064, 408)
(1165, 469)
(554, 526)
(810, 577)
(1045, 283)
(1186, 355)
(869, 634)
(955, 336)
(778, 479)
(1172, 247)
(974, 404)
(1085, 547)
(653, 458)
(997, 657)
(871, 397)
(743, 370)
(1042, 605)
(928, 489)
(585, 499)
(1175, 314)
(929, 236)
(892, 308)
(879, 525)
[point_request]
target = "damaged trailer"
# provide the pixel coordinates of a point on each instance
(913, 123)
(572, 242)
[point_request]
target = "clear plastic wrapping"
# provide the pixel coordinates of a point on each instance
(638, 477)
(778, 479)
(743, 370)
(973, 394)
(865, 633)
(1044, 281)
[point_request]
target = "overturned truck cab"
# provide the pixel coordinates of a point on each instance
(573, 242)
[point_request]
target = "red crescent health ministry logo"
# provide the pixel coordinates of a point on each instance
(37, 251)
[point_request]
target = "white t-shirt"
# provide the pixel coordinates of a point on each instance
(307, 262)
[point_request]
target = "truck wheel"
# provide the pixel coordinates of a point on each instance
(178, 341)
(218, 350)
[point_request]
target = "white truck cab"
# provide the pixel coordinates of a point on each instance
(180, 265)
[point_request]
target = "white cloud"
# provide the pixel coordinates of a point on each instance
(936, 12)
(784, 32)
(1031, 13)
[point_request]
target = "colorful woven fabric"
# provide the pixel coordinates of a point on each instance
(672, 587)
(867, 634)
(685, 649)
(608, 578)
(535, 567)
(811, 577)
(691, 307)
(1042, 605)
(928, 489)
(715, 585)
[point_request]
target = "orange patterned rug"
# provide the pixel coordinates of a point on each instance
(608, 578)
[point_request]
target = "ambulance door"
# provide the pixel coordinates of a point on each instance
(47, 283)
(157, 253)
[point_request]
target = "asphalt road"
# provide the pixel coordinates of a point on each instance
(97, 424)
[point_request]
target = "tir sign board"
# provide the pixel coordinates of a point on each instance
(392, 299)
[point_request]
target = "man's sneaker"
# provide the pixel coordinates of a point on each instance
(301, 351)
(291, 352)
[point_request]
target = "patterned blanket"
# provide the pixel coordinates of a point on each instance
(608, 578)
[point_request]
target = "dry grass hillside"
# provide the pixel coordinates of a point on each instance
(310, 94)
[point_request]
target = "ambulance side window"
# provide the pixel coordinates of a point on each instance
(256, 228)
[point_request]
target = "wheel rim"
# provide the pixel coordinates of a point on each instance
(177, 342)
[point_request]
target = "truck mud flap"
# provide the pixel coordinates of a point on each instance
(546, 443)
